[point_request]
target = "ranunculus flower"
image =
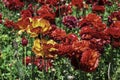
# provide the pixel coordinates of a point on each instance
(10, 24)
(46, 12)
(58, 34)
(38, 25)
(94, 21)
(13, 4)
(77, 3)
(70, 21)
(89, 60)
(98, 8)
(114, 16)
(43, 48)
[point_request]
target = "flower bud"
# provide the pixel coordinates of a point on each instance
(24, 41)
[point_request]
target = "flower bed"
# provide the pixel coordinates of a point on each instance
(59, 40)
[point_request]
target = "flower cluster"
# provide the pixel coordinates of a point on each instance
(13, 4)
(50, 41)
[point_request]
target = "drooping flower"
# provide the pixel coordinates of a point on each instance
(70, 21)
(89, 60)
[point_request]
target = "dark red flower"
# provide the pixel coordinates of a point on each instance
(10, 24)
(77, 3)
(115, 16)
(28, 12)
(25, 13)
(13, 4)
(98, 8)
(63, 10)
(115, 44)
(39, 62)
(89, 60)
(24, 41)
(70, 21)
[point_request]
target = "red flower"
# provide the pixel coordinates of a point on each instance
(63, 10)
(80, 46)
(58, 34)
(98, 8)
(64, 49)
(13, 4)
(28, 12)
(10, 24)
(46, 12)
(89, 60)
(94, 21)
(77, 3)
(115, 44)
(70, 38)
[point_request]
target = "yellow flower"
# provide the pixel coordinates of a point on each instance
(44, 48)
(38, 25)
(38, 48)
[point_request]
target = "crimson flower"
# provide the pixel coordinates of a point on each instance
(114, 16)
(89, 60)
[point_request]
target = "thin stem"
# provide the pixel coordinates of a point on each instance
(109, 78)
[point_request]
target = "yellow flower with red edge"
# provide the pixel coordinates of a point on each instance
(43, 48)
(38, 26)
(34, 26)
